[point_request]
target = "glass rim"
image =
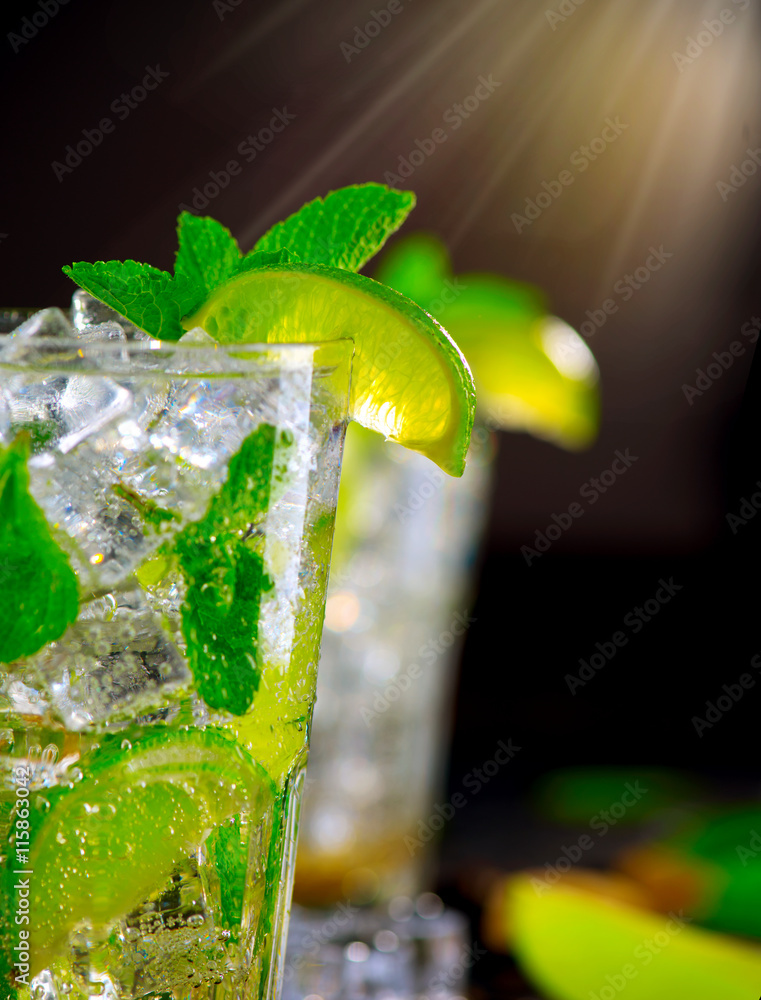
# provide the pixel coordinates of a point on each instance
(56, 354)
(152, 344)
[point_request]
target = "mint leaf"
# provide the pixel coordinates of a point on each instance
(208, 253)
(220, 558)
(227, 848)
(345, 229)
(265, 258)
(39, 588)
(151, 299)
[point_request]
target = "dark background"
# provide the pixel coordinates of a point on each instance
(356, 113)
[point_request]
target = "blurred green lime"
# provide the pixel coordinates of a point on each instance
(575, 795)
(575, 945)
(533, 372)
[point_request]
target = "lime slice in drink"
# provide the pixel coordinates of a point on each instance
(575, 945)
(109, 841)
(409, 379)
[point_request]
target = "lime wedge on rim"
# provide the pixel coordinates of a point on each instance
(410, 381)
(111, 840)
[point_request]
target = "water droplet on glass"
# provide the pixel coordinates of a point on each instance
(126, 745)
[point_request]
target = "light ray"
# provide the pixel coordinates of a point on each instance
(397, 90)
(245, 41)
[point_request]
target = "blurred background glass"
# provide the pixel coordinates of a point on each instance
(402, 582)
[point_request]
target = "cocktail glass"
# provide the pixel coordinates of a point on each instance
(153, 739)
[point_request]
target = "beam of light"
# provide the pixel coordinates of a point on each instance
(418, 35)
(718, 97)
(393, 94)
(639, 50)
(243, 43)
(515, 144)
(608, 27)
(661, 147)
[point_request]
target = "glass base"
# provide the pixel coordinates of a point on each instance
(405, 949)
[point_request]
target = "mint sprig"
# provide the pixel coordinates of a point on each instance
(223, 567)
(39, 587)
(344, 229)
(208, 254)
(152, 299)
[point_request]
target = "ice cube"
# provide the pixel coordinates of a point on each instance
(102, 331)
(87, 311)
(198, 336)
(116, 660)
(207, 423)
(12, 318)
(32, 406)
(200, 354)
(87, 404)
(87, 496)
(45, 323)
(55, 409)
